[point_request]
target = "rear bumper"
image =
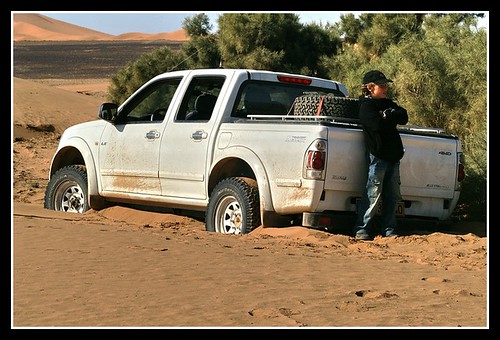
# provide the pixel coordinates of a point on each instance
(328, 220)
(342, 220)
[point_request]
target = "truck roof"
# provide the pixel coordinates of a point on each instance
(263, 75)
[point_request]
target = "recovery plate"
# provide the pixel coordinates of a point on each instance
(400, 208)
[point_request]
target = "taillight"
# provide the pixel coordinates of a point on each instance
(315, 160)
(461, 167)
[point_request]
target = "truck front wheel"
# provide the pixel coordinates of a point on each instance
(233, 207)
(67, 190)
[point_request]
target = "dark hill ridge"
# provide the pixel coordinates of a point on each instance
(79, 59)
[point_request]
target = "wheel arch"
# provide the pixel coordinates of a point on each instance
(77, 152)
(241, 162)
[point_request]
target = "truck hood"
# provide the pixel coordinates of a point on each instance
(89, 131)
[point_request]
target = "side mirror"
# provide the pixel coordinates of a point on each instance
(107, 111)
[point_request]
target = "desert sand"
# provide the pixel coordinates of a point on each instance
(122, 267)
(127, 268)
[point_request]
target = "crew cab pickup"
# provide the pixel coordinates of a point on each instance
(228, 144)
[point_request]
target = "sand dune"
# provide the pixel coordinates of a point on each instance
(37, 27)
(35, 104)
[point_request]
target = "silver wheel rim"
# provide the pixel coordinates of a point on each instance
(69, 198)
(228, 217)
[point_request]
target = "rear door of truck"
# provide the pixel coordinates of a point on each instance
(189, 137)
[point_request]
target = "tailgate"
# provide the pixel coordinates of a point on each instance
(429, 166)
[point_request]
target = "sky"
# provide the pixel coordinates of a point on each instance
(154, 22)
(116, 23)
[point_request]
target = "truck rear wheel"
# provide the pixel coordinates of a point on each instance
(67, 190)
(233, 207)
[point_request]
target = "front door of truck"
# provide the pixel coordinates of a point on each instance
(129, 149)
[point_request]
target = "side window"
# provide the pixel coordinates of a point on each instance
(152, 103)
(199, 101)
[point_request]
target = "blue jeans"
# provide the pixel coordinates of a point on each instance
(383, 183)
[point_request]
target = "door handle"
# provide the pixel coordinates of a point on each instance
(199, 135)
(153, 134)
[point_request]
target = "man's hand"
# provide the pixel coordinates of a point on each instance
(387, 113)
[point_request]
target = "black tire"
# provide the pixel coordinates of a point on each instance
(345, 107)
(233, 207)
(307, 105)
(67, 190)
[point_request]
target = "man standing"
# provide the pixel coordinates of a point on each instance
(379, 117)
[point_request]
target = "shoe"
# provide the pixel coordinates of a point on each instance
(392, 234)
(389, 232)
(362, 235)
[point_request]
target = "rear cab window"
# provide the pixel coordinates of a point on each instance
(271, 98)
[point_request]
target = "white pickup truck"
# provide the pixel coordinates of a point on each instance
(227, 142)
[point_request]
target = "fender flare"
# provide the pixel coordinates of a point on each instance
(79, 145)
(248, 156)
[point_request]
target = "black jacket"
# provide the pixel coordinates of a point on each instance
(381, 135)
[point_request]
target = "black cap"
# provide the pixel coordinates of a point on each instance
(376, 77)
